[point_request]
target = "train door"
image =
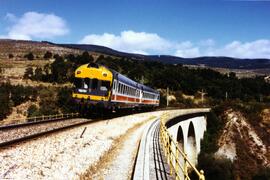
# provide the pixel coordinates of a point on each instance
(141, 94)
(115, 89)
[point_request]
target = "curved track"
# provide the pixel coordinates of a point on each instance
(150, 162)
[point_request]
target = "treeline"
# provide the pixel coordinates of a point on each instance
(52, 100)
(178, 78)
(60, 71)
(11, 96)
(49, 100)
(161, 76)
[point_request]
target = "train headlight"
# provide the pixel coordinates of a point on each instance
(79, 72)
(104, 74)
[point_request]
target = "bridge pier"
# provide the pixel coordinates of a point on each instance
(192, 130)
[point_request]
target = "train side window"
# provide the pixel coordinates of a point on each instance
(119, 88)
(113, 88)
(94, 84)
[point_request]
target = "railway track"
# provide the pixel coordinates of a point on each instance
(39, 126)
(12, 134)
(150, 162)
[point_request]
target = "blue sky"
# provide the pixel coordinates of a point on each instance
(182, 28)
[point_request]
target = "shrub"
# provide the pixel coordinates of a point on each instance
(29, 56)
(48, 55)
(215, 168)
(32, 111)
(10, 56)
(263, 174)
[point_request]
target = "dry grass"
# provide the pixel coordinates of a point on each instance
(13, 72)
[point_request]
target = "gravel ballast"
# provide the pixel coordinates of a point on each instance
(64, 155)
(19, 132)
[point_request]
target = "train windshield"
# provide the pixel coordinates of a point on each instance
(78, 82)
(92, 86)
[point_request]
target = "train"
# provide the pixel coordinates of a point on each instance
(99, 87)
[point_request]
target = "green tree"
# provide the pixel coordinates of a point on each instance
(38, 74)
(32, 111)
(5, 107)
(10, 56)
(85, 58)
(29, 56)
(28, 74)
(48, 101)
(65, 101)
(48, 55)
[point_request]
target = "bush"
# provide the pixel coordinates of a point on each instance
(65, 101)
(29, 56)
(215, 168)
(48, 55)
(48, 101)
(10, 56)
(28, 74)
(263, 174)
(214, 126)
(32, 111)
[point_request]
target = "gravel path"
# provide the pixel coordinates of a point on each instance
(64, 155)
(14, 133)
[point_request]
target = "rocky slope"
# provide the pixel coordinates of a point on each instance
(243, 145)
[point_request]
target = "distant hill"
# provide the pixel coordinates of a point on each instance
(220, 62)
(19, 48)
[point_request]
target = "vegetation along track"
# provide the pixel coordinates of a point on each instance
(17, 133)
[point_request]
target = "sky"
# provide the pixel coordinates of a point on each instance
(184, 28)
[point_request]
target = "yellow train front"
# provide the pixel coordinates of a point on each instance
(97, 87)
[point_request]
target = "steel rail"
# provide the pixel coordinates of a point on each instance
(35, 135)
(43, 119)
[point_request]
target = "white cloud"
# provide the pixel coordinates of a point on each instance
(35, 25)
(129, 41)
(151, 43)
(186, 49)
(188, 53)
(254, 49)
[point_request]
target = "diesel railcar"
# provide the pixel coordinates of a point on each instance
(97, 86)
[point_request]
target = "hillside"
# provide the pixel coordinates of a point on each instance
(219, 62)
(243, 145)
(19, 48)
